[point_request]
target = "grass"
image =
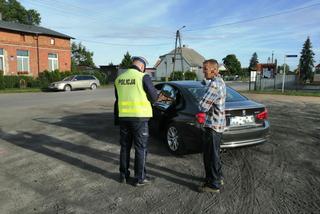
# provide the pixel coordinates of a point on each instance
(19, 90)
(286, 92)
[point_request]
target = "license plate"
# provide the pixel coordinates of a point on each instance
(241, 121)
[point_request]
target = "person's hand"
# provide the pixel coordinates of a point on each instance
(161, 97)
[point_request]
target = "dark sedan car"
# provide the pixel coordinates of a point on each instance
(178, 120)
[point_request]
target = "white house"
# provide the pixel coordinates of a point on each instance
(192, 61)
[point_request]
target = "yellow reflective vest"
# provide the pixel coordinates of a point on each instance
(132, 99)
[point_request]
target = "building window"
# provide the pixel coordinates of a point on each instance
(23, 61)
(52, 41)
(53, 61)
(1, 60)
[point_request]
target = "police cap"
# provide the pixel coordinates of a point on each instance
(140, 59)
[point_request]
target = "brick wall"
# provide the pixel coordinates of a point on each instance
(10, 42)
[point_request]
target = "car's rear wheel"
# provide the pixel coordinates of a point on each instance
(93, 86)
(67, 88)
(174, 139)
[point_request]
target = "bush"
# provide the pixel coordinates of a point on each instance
(44, 79)
(2, 85)
(19, 82)
(189, 75)
(176, 75)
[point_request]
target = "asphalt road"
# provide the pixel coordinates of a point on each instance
(59, 154)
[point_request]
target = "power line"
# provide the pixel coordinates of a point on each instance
(125, 45)
(254, 19)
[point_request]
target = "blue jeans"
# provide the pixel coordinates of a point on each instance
(211, 157)
(136, 132)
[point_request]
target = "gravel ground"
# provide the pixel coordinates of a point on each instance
(64, 159)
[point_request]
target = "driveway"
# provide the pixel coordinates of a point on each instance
(59, 154)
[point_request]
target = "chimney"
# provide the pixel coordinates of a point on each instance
(0, 16)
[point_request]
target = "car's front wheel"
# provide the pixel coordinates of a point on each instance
(67, 88)
(93, 86)
(174, 139)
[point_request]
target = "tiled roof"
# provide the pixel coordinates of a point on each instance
(191, 56)
(12, 26)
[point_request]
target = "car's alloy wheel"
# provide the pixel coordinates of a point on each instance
(173, 139)
(93, 86)
(67, 88)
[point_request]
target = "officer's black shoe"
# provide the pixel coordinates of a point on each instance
(145, 182)
(123, 180)
(206, 188)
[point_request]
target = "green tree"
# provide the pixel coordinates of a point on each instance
(253, 62)
(80, 56)
(126, 61)
(232, 64)
(306, 61)
(280, 68)
(13, 11)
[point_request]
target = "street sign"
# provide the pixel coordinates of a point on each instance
(284, 68)
(253, 75)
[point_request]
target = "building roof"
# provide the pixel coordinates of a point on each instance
(191, 56)
(318, 66)
(12, 26)
(222, 67)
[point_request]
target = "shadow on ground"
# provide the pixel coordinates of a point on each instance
(48, 146)
(100, 126)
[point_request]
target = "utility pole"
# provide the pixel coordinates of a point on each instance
(178, 51)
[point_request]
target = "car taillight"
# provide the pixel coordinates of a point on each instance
(263, 115)
(201, 117)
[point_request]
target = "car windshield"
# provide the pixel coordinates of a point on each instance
(232, 95)
(68, 78)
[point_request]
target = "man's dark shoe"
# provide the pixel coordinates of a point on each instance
(206, 188)
(145, 182)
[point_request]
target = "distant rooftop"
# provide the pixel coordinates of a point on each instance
(190, 55)
(13, 26)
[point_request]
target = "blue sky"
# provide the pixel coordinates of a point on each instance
(147, 27)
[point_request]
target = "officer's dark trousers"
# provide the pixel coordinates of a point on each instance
(211, 157)
(136, 132)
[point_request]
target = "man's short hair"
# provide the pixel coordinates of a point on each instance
(211, 62)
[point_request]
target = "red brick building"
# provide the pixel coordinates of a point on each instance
(267, 70)
(29, 50)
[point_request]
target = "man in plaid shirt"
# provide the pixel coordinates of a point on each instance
(213, 105)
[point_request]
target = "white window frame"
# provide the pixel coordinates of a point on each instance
(52, 41)
(51, 61)
(2, 59)
(23, 58)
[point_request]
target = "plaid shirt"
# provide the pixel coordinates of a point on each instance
(213, 104)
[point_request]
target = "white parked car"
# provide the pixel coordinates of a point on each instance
(76, 82)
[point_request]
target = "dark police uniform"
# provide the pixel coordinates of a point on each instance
(134, 93)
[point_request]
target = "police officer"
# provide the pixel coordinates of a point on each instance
(135, 94)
